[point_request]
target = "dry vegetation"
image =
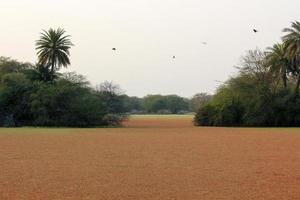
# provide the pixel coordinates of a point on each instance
(151, 158)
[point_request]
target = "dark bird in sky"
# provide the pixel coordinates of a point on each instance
(255, 30)
(114, 49)
(174, 57)
(205, 43)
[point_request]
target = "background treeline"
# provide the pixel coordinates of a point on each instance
(164, 104)
(265, 91)
(31, 96)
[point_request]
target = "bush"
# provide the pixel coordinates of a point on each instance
(114, 119)
(205, 116)
(9, 121)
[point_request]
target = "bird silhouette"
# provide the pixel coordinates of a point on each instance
(174, 57)
(114, 49)
(255, 30)
(204, 43)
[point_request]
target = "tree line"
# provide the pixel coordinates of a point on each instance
(265, 91)
(31, 96)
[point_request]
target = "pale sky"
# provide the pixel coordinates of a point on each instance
(147, 33)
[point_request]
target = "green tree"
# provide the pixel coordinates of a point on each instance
(175, 103)
(132, 104)
(53, 49)
(154, 103)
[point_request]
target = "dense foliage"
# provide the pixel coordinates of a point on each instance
(265, 92)
(26, 99)
(170, 104)
(163, 104)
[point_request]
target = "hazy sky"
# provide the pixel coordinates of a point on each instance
(147, 33)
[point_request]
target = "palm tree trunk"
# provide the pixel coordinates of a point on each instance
(284, 77)
(284, 81)
(51, 75)
(297, 87)
(52, 68)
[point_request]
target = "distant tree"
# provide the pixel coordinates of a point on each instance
(154, 103)
(199, 100)
(132, 104)
(53, 49)
(171, 104)
(175, 104)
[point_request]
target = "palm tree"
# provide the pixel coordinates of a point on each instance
(53, 49)
(278, 62)
(292, 49)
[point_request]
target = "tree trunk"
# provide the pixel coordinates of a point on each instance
(52, 69)
(297, 87)
(284, 77)
(284, 82)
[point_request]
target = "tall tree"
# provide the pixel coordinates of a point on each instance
(53, 49)
(292, 48)
(278, 62)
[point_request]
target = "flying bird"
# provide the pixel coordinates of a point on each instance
(114, 49)
(174, 57)
(255, 30)
(204, 43)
